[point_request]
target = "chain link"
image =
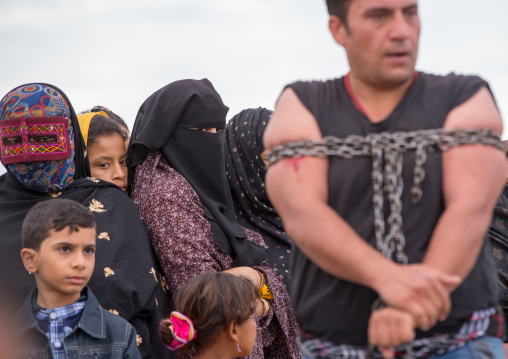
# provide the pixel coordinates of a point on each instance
(389, 147)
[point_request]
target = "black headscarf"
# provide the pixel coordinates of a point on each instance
(164, 124)
(498, 235)
(132, 290)
(246, 170)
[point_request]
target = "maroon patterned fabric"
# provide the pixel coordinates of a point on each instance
(183, 241)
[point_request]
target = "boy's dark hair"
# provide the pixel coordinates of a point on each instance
(56, 214)
(103, 126)
(339, 8)
(213, 301)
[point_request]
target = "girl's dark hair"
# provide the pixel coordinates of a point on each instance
(120, 121)
(103, 126)
(56, 214)
(213, 301)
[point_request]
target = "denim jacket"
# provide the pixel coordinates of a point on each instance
(98, 335)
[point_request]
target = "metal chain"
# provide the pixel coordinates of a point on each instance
(389, 147)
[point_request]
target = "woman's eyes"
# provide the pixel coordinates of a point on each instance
(32, 139)
(12, 140)
(48, 138)
(208, 129)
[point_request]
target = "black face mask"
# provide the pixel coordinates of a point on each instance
(164, 124)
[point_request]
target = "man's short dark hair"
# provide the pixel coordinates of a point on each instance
(339, 8)
(56, 214)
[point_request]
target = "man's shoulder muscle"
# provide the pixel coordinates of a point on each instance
(291, 121)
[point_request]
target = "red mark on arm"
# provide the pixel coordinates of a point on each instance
(294, 162)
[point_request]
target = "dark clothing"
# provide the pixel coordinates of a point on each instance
(166, 122)
(97, 334)
(182, 192)
(498, 235)
(126, 279)
(318, 296)
(183, 241)
(246, 170)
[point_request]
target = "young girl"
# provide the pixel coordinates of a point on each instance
(113, 116)
(105, 145)
(215, 318)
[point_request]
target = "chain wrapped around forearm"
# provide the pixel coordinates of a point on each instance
(389, 147)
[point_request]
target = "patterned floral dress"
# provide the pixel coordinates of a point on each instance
(182, 238)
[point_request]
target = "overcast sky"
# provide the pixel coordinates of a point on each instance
(116, 53)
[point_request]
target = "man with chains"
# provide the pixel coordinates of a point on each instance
(386, 179)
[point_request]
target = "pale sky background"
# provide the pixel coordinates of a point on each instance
(116, 53)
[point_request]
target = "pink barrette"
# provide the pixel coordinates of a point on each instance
(181, 328)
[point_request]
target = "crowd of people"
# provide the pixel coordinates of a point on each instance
(359, 219)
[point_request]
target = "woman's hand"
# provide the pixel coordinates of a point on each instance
(247, 272)
(254, 276)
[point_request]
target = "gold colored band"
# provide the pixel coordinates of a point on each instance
(266, 307)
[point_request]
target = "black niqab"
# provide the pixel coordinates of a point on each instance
(164, 123)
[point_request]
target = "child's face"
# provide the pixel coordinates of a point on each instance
(108, 160)
(247, 335)
(64, 265)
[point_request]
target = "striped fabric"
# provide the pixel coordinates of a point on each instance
(486, 321)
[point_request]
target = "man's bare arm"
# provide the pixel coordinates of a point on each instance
(473, 178)
(298, 189)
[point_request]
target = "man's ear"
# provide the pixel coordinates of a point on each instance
(338, 29)
(29, 257)
(233, 331)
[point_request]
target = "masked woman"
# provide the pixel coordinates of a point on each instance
(177, 168)
(246, 170)
(44, 153)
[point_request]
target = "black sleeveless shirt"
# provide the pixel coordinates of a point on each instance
(336, 310)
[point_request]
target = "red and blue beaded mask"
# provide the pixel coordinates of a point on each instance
(24, 139)
(37, 139)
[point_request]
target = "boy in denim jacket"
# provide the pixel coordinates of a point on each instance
(61, 318)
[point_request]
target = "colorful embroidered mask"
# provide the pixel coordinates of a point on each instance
(34, 139)
(37, 139)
